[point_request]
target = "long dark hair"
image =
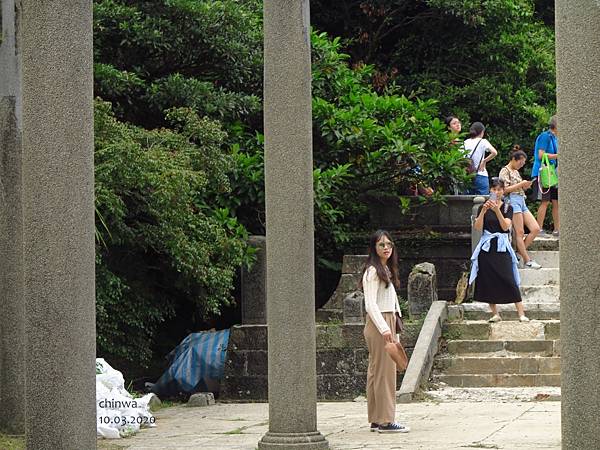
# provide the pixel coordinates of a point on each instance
(374, 260)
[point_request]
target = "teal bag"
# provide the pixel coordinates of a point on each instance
(548, 176)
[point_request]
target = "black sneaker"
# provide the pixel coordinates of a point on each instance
(374, 426)
(393, 428)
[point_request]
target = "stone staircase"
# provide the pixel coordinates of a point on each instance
(507, 354)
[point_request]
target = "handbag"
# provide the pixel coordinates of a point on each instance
(547, 176)
(398, 354)
(399, 323)
(472, 168)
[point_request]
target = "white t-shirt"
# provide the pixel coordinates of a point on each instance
(483, 147)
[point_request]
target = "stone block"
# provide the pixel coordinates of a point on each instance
(244, 388)
(254, 294)
(455, 313)
(328, 315)
(557, 347)
(361, 360)
(549, 365)
(466, 330)
(354, 336)
(201, 399)
(336, 362)
(513, 331)
(329, 336)
(354, 264)
(236, 362)
(248, 337)
(336, 387)
(538, 347)
(552, 329)
(422, 289)
(154, 402)
(349, 282)
(257, 362)
(354, 308)
(548, 380)
(475, 346)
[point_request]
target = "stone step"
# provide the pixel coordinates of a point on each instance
(548, 259)
(505, 330)
(548, 243)
(481, 311)
(493, 394)
(540, 277)
(504, 348)
(499, 380)
(540, 294)
(480, 365)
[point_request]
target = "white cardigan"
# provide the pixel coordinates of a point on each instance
(379, 299)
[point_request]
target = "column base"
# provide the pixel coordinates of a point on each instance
(294, 441)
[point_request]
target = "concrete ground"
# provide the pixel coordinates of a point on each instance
(435, 426)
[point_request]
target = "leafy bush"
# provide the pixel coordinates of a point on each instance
(490, 61)
(159, 241)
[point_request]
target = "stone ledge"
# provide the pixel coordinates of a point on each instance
(421, 362)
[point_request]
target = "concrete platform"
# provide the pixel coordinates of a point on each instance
(434, 426)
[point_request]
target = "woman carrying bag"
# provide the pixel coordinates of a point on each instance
(379, 282)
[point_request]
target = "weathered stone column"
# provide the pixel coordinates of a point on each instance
(58, 223)
(12, 319)
(578, 78)
(290, 228)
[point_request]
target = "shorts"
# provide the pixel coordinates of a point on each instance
(547, 195)
(481, 186)
(517, 201)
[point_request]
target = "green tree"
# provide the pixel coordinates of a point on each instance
(159, 241)
(491, 61)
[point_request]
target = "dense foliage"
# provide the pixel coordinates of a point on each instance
(160, 241)
(179, 146)
(489, 61)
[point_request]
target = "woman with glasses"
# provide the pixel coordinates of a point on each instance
(379, 283)
(494, 267)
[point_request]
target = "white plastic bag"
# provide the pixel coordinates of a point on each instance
(118, 413)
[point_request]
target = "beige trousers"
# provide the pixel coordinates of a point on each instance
(381, 375)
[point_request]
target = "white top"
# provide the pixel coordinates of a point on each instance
(379, 299)
(479, 154)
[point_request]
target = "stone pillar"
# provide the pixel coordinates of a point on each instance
(422, 289)
(475, 234)
(58, 223)
(12, 319)
(290, 228)
(254, 296)
(578, 95)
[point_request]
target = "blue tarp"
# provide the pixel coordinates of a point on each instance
(198, 357)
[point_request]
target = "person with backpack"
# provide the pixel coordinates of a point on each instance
(546, 145)
(514, 189)
(476, 147)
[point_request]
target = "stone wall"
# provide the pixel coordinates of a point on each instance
(342, 359)
(388, 212)
(448, 252)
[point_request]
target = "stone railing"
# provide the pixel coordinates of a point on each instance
(389, 212)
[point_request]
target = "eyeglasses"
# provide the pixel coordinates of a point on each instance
(385, 245)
